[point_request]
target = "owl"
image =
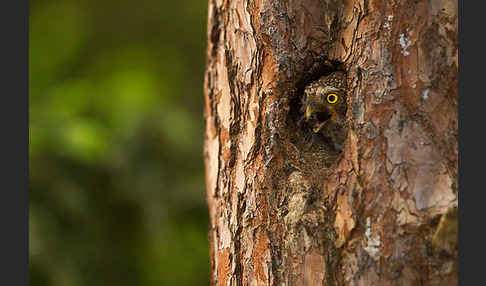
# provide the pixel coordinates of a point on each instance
(324, 107)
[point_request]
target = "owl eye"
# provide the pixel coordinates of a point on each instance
(332, 98)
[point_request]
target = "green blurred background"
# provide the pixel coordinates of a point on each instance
(117, 193)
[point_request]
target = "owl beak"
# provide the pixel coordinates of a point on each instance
(308, 112)
(319, 127)
(324, 123)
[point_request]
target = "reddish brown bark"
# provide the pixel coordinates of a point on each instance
(284, 213)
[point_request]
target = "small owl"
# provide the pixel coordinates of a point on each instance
(324, 106)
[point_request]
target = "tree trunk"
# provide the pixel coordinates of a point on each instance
(282, 211)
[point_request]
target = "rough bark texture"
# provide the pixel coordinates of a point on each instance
(284, 213)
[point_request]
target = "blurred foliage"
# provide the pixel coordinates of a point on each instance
(116, 169)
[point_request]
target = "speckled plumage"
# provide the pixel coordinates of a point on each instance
(324, 117)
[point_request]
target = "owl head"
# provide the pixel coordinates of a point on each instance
(325, 101)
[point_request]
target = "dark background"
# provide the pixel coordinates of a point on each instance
(117, 192)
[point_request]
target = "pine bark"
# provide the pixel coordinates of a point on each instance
(280, 213)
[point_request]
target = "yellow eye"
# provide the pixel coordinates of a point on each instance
(332, 98)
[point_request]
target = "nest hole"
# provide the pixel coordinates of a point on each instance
(316, 152)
